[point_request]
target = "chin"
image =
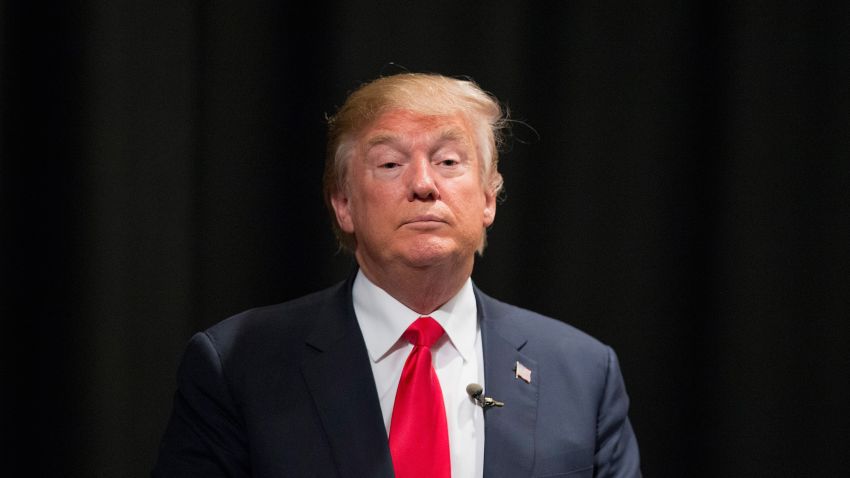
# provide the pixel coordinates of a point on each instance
(431, 253)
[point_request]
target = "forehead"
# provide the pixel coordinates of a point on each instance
(404, 125)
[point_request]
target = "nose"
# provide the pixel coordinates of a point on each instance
(423, 184)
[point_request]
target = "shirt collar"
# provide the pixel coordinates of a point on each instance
(383, 319)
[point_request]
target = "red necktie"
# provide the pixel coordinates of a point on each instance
(419, 436)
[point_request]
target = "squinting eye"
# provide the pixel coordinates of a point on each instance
(450, 162)
(389, 165)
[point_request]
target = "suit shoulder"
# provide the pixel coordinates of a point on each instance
(288, 320)
(540, 327)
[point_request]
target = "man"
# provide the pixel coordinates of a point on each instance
(369, 378)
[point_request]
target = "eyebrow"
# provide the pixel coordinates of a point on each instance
(448, 134)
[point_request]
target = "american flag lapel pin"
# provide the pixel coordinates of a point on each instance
(523, 372)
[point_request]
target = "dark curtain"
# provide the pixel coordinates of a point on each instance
(677, 185)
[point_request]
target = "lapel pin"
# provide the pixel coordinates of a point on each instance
(523, 372)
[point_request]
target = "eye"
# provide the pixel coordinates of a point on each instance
(450, 162)
(389, 165)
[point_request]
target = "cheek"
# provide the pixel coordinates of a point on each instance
(370, 207)
(472, 209)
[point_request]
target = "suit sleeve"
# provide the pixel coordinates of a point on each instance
(205, 435)
(616, 446)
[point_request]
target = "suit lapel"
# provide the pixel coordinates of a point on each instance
(509, 431)
(339, 377)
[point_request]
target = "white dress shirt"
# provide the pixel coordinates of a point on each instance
(457, 357)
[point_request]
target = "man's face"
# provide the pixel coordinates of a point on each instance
(415, 195)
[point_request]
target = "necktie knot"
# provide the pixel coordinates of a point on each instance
(425, 331)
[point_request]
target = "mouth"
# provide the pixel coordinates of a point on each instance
(424, 220)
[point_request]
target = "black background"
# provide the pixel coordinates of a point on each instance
(681, 193)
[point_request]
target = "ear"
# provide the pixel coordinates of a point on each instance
(489, 207)
(342, 208)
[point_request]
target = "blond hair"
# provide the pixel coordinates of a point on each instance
(422, 93)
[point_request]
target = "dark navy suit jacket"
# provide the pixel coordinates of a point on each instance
(287, 391)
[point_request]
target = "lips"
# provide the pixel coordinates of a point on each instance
(427, 218)
(424, 220)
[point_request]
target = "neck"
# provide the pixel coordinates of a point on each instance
(424, 289)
